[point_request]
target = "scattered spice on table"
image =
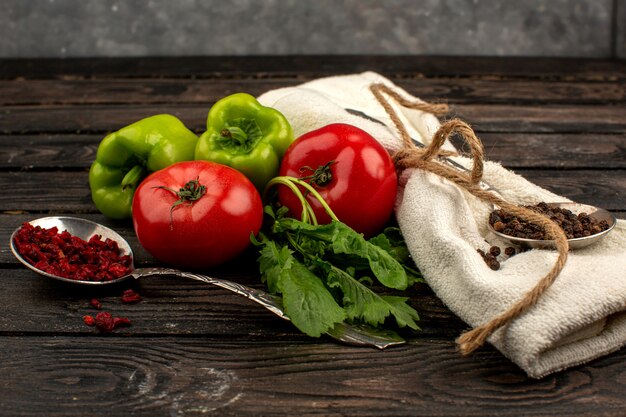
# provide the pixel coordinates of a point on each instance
(68, 256)
(130, 297)
(95, 303)
(574, 225)
(106, 323)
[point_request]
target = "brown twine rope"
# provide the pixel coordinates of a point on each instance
(410, 156)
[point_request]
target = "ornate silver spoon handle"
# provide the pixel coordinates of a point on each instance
(343, 332)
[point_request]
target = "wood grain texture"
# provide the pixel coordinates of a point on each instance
(207, 376)
(513, 150)
(482, 117)
(69, 191)
(33, 304)
(157, 91)
(303, 66)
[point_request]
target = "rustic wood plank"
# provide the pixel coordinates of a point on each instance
(483, 117)
(64, 151)
(169, 306)
(63, 191)
(514, 150)
(147, 377)
(313, 66)
(155, 91)
(175, 306)
(93, 119)
(543, 119)
(558, 150)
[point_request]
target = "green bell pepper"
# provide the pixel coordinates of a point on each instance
(125, 157)
(247, 136)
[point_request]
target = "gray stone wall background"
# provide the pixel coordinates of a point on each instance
(113, 28)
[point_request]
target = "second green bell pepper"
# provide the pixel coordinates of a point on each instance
(247, 136)
(125, 157)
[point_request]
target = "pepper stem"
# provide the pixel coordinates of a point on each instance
(132, 177)
(192, 191)
(235, 133)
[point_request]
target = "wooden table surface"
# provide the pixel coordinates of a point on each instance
(198, 350)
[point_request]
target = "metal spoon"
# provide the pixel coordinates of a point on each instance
(84, 229)
(574, 243)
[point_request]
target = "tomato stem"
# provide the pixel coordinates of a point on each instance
(321, 176)
(192, 191)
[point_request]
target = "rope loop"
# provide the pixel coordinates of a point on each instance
(410, 156)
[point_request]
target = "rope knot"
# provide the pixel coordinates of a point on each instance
(410, 156)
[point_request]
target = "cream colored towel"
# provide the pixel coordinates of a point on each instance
(581, 317)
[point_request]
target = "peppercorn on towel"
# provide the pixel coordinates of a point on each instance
(581, 316)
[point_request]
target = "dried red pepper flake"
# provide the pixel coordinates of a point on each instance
(106, 323)
(89, 320)
(69, 256)
(120, 321)
(129, 297)
(95, 303)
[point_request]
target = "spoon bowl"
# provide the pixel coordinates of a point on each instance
(347, 333)
(83, 229)
(575, 243)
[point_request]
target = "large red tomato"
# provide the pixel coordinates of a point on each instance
(196, 214)
(350, 169)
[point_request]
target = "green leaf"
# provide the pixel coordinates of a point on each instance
(404, 314)
(343, 240)
(272, 260)
(392, 241)
(306, 301)
(361, 303)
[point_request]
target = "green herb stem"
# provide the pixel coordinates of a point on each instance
(307, 210)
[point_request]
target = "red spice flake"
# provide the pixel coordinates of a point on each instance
(106, 323)
(130, 297)
(71, 257)
(89, 320)
(120, 321)
(95, 303)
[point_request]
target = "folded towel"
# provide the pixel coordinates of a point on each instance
(580, 317)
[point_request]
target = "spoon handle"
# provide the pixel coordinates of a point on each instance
(343, 332)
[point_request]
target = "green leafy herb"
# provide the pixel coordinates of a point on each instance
(307, 302)
(324, 272)
(362, 303)
(391, 241)
(341, 239)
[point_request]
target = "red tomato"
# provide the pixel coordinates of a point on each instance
(362, 185)
(202, 233)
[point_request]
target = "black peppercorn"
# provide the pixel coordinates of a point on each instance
(573, 225)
